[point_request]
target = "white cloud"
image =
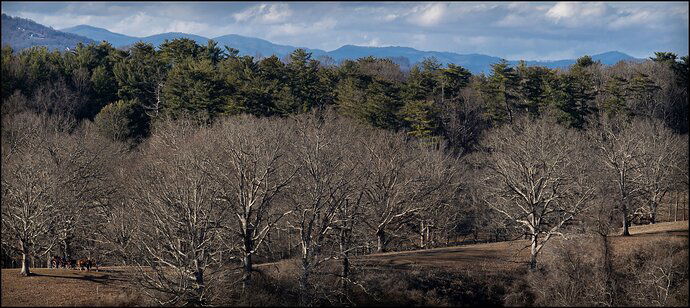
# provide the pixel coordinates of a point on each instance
(265, 13)
(430, 15)
(57, 22)
(512, 20)
(140, 24)
(573, 14)
(419, 37)
(648, 18)
(326, 23)
(390, 17)
(298, 29)
(375, 42)
(562, 10)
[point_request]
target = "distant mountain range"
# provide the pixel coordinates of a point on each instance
(404, 56)
(21, 33)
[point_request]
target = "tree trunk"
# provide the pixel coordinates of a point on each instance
(626, 225)
(26, 261)
(344, 247)
(304, 282)
(345, 272)
(421, 234)
(533, 253)
(247, 262)
(655, 207)
(626, 222)
(196, 298)
(67, 250)
(381, 236)
(675, 216)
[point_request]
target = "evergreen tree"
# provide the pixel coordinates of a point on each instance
(615, 101)
(421, 118)
(500, 92)
(213, 53)
(453, 79)
(178, 50)
(304, 83)
(194, 87)
(140, 76)
(641, 95)
(532, 85)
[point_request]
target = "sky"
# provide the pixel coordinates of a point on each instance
(520, 30)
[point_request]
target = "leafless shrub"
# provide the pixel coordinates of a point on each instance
(656, 275)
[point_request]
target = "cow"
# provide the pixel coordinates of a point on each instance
(58, 262)
(69, 263)
(84, 263)
(55, 262)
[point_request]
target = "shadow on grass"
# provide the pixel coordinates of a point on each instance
(98, 279)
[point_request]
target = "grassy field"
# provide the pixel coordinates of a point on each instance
(110, 286)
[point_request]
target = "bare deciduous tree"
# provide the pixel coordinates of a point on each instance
(404, 179)
(660, 167)
(180, 221)
(321, 189)
(50, 178)
(536, 177)
(620, 150)
(250, 170)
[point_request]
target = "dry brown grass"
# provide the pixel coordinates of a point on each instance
(485, 258)
(63, 287)
(111, 287)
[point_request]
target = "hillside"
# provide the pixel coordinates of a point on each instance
(100, 34)
(21, 33)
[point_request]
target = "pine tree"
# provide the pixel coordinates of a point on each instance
(500, 92)
(194, 87)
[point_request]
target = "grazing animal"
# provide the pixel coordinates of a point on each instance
(55, 262)
(70, 263)
(84, 263)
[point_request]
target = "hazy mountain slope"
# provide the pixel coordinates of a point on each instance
(100, 34)
(255, 46)
(158, 39)
(405, 56)
(21, 33)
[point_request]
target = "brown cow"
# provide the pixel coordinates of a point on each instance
(84, 263)
(69, 263)
(55, 262)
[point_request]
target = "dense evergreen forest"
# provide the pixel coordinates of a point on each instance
(135, 86)
(186, 158)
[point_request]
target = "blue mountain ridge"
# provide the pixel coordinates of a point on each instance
(252, 46)
(405, 56)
